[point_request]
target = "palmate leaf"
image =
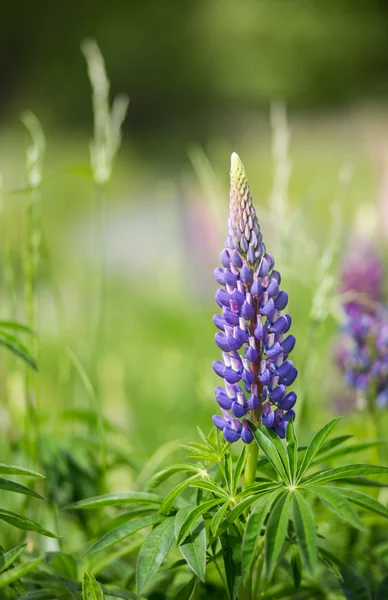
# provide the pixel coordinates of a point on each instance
(314, 447)
(210, 487)
(23, 523)
(116, 499)
(253, 528)
(153, 552)
(305, 529)
(192, 517)
(231, 552)
(123, 531)
(333, 498)
(346, 471)
(12, 486)
(218, 517)
(193, 548)
(347, 450)
(296, 566)
(9, 557)
(140, 511)
(14, 574)
(187, 590)
(90, 588)
(258, 488)
(281, 450)
(270, 450)
(354, 586)
(276, 532)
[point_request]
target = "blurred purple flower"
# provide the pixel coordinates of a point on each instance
(253, 332)
(361, 274)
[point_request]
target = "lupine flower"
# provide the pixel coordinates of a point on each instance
(253, 332)
(362, 349)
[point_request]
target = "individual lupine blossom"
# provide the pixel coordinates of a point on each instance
(255, 364)
(362, 349)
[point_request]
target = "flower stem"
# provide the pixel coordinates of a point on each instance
(251, 464)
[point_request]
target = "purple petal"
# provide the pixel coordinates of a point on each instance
(245, 274)
(238, 297)
(289, 380)
(273, 288)
(230, 317)
(229, 278)
(251, 354)
(278, 393)
(265, 378)
(288, 344)
(241, 335)
(264, 267)
(219, 422)
(219, 275)
(285, 369)
(230, 434)
(231, 376)
(219, 322)
(253, 402)
(280, 326)
(246, 434)
(274, 350)
(223, 298)
(236, 259)
(247, 310)
(268, 309)
(224, 258)
(288, 401)
(259, 331)
(222, 342)
(238, 409)
(256, 288)
(281, 300)
(269, 419)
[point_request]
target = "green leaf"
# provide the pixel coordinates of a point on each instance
(173, 495)
(153, 552)
(365, 501)
(17, 348)
(276, 532)
(123, 531)
(218, 516)
(12, 486)
(382, 590)
(9, 557)
(193, 548)
(292, 450)
(187, 590)
(209, 486)
(305, 530)
(240, 464)
(16, 327)
(333, 497)
(228, 470)
(161, 476)
(14, 574)
(346, 450)
(140, 511)
(270, 451)
(346, 471)
(192, 516)
(354, 586)
(116, 499)
(259, 488)
(231, 551)
(13, 470)
(296, 566)
(362, 481)
(253, 528)
(235, 513)
(281, 450)
(65, 565)
(24, 523)
(90, 588)
(314, 447)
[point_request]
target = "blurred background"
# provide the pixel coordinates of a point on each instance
(299, 89)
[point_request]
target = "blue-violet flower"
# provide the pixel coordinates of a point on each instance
(253, 332)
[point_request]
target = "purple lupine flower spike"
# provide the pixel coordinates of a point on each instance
(255, 365)
(362, 348)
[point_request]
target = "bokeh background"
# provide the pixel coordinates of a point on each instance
(205, 78)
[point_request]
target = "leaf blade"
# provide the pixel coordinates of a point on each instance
(122, 532)
(305, 530)
(314, 447)
(153, 552)
(193, 549)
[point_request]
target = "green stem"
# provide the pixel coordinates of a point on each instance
(251, 465)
